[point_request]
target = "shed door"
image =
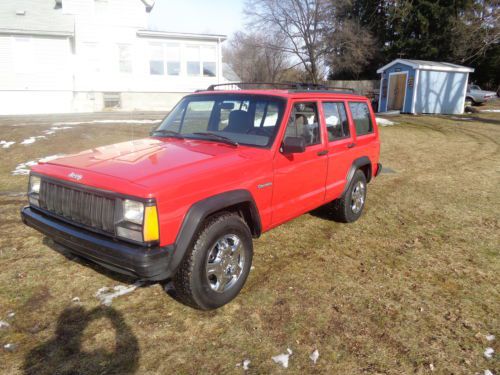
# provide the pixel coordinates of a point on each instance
(397, 91)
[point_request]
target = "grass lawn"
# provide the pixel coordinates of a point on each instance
(411, 288)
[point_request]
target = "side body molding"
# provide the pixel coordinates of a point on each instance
(202, 209)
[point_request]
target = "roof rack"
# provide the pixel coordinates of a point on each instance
(290, 86)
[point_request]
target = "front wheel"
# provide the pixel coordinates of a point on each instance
(217, 266)
(349, 207)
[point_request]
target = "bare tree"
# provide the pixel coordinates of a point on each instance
(477, 30)
(254, 59)
(300, 23)
(352, 47)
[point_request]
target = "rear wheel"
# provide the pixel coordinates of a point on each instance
(216, 267)
(349, 207)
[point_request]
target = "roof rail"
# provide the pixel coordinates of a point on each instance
(291, 86)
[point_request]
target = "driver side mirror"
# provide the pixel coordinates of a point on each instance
(293, 145)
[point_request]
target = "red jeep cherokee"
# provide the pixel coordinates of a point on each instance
(222, 168)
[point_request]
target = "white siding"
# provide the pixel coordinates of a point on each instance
(35, 63)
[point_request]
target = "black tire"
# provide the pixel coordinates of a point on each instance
(191, 282)
(343, 208)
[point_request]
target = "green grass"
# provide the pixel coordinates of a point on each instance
(414, 282)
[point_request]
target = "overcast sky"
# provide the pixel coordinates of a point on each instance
(198, 16)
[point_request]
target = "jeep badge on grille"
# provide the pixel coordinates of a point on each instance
(75, 176)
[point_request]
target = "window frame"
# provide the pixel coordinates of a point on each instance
(372, 132)
(345, 104)
(165, 58)
(293, 113)
(130, 60)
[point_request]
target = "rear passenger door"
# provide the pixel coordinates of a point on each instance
(340, 146)
(366, 138)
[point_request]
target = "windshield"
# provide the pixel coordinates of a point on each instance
(241, 119)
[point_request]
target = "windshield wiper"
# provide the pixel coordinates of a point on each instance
(216, 137)
(166, 133)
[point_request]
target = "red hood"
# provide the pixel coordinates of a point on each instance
(142, 160)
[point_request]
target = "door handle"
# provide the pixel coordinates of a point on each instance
(322, 152)
(351, 145)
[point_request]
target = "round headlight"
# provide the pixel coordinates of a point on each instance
(133, 211)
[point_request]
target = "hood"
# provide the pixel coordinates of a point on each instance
(139, 160)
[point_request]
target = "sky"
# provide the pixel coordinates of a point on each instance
(198, 16)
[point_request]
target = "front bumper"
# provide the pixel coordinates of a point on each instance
(133, 260)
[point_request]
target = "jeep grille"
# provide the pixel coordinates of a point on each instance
(82, 207)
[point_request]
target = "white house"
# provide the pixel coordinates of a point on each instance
(60, 56)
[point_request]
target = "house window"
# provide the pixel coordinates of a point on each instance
(156, 64)
(125, 58)
(173, 57)
(165, 59)
(208, 58)
(112, 100)
(201, 61)
(193, 61)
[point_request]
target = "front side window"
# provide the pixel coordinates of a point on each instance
(361, 117)
(337, 125)
(304, 123)
(246, 119)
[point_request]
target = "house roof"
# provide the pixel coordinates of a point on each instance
(229, 74)
(35, 17)
(428, 65)
(175, 35)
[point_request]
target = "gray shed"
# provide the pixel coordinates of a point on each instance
(418, 86)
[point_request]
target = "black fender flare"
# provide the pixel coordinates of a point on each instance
(199, 211)
(356, 164)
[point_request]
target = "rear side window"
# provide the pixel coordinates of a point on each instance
(336, 121)
(361, 117)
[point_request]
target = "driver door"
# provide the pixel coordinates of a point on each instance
(300, 178)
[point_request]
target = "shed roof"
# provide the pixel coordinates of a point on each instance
(35, 17)
(428, 65)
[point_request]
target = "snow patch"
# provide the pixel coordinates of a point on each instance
(106, 295)
(490, 337)
(11, 315)
(384, 122)
(31, 140)
(4, 324)
(491, 110)
(54, 129)
(314, 356)
(24, 168)
(75, 299)
(488, 372)
(431, 366)
(488, 353)
(6, 144)
(9, 347)
(246, 364)
(282, 359)
(117, 121)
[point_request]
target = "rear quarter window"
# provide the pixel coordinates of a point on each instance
(361, 117)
